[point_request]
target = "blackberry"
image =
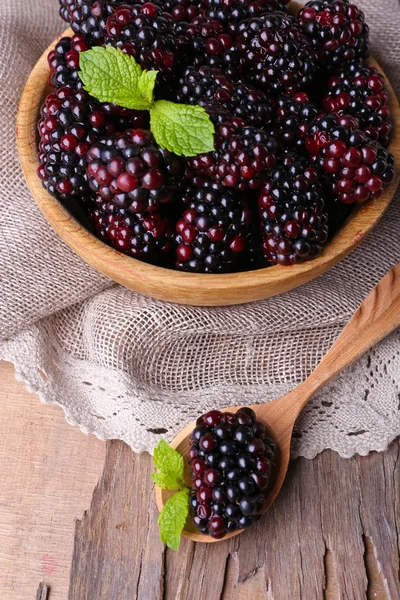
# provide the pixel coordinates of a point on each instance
(293, 116)
(212, 234)
(70, 123)
(232, 12)
(359, 90)
(242, 159)
(231, 494)
(146, 33)
(337, 31)
(132, 172)
(64, 62)
(208, 44)
(275, 55)
(356, 167)
(88, 17)
(211, 88)
(146, 237)
(181, 10)
(294, 221)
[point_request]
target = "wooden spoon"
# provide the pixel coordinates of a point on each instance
(377, 316)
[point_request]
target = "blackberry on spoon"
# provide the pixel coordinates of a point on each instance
(231, 460)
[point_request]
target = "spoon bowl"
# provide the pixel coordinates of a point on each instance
(376, 317)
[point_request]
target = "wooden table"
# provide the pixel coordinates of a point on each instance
(333, 534)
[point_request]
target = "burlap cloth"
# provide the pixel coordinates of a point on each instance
(124, 366)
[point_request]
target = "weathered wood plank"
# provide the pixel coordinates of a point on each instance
(48, 471)
(118, 554)
(331, 536)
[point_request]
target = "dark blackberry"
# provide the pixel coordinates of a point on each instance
(219, 506)
(275, 55)
(359, 90)
(143, 236)
(88, 17)
(208, 43)
(181, 10)
(232, 12)
(210, 87)
(64, 62)
(213, 232)
(356, 167)
(70, 123)
(242, 158)
(293, 117)
(294, 222)
(146, 33)
(132, 172)
(337, 31)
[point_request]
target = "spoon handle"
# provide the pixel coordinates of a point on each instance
(376, 317)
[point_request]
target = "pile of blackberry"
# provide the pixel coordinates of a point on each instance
(147, 237)
(302, 130)
(359, 90)
(356, 168)
(130, 170)
(293, 215)
(212, 234)
(336, 29)
(231, 459)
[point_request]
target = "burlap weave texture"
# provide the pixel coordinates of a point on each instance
(124, 366)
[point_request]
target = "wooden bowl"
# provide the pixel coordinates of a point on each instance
(175, 286)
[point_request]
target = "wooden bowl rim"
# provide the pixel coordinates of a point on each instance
(176, 286)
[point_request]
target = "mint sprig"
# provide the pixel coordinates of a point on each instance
(110, 75)
(172, 518)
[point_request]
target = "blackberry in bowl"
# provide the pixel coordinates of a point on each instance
(262, 107)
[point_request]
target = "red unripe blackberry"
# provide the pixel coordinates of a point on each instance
(232, 12)
(241, 160)
(146, 33)
(66, 135)
(88, 17)
(212, 234)
(275, 55)
(294, 222)
(210, 87)
(337, 31)
(232, 493)
(359, 90)
(208, 43)
(143, 236)
(132, 172)
(357, 168)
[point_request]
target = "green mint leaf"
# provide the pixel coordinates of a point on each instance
(172, 518)
(146, 85)
(181, 128)
(168, 460)
(167, 481)
(110, 75)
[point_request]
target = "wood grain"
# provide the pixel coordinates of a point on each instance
(175, 286)
(377, 316)
(48, 471)
(333, 534)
